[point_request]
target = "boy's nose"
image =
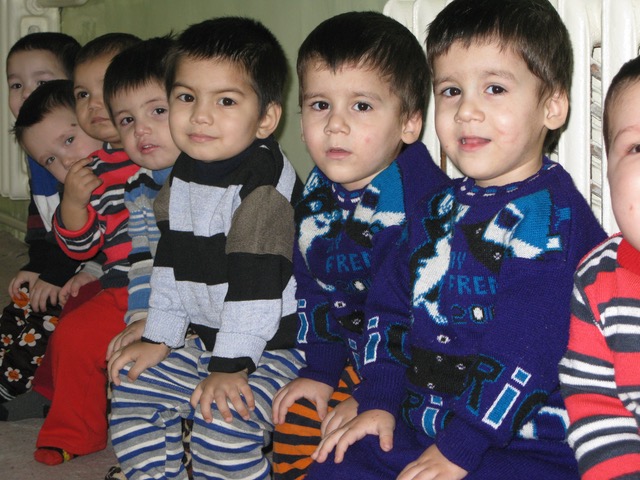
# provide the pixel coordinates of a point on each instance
(201, 112)
(140, 129)
(336, 123)
(468, 110)
(67, 162)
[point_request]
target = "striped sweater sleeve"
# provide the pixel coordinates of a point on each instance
(598, 373)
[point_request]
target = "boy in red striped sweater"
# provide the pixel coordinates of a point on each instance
(91, 220)
(599, 373)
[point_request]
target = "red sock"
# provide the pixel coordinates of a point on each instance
(52, 455)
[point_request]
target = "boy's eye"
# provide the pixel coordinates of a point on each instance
(451, 92)
(49, 161)
(41, 82)
(362, 107)
(126, 121)
(226, 102)
(69, 140)
(320, 105)
(15, 86)
(81, 95)
(635, 149)
(495, 89)
(185, 97)
(160, 110)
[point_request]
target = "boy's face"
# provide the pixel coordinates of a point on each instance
(57, 142)
(623, 161)
(213, 109)
(26, 71)
(88, 78)
(489, 116)
(141, 116)
(351, 123)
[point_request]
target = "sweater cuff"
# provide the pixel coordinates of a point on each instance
(382, 391)
(462, 444)
(325, 362)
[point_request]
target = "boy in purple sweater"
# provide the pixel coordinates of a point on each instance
(471, 313)
(363, 94)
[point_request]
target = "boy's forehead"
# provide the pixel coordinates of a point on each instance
(139, 94)
(362, 67)
(36, 59)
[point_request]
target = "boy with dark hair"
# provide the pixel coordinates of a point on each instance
(32, 61)
(363, 95)
(223, 267)
(48, 130)
(599, 372)
(470, 320)
(135, 96)
(91, 219)
(138, 106)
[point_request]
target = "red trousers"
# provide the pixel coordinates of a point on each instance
(43, 378)
(77, 419)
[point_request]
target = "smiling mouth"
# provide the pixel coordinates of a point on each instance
(147, 147)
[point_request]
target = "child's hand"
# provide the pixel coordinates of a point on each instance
(40, 292)
(317, 392)
(143, 355)
(23, 276)
(73, 285)
(371, 422)
(343, 413)
(78, 186)
(80, 182)
(221, 387)
(432, 464)
(129, 335)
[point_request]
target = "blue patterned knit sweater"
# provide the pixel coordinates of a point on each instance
(342, 239)
(471, 315)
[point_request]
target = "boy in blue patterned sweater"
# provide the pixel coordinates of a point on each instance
(363, 94)
(471, 317)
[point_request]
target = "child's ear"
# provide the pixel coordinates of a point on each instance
(556, 109)
(411, 128)
(269, 121)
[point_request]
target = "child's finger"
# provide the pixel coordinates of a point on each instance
(223, 407)
(239, 405)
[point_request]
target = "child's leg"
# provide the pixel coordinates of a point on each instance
(235, 450)
(146, 427)
(43, 379)
(77, 420)
(296, 439)
(23, 340)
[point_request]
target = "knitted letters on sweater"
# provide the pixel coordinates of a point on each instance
(475, 313)
(342, 239)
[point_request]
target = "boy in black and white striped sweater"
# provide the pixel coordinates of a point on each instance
(223, 267)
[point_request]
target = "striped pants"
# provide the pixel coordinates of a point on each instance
(146, 419)
(295, 440)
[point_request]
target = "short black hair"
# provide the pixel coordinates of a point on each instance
(533, 29)
(136, 66)
(629, 73)
(62, 46)
(371, 40)
(44, 99)
(109, 43)
(240, 40)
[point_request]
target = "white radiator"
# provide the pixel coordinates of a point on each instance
(605, 34)
(17, 18)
